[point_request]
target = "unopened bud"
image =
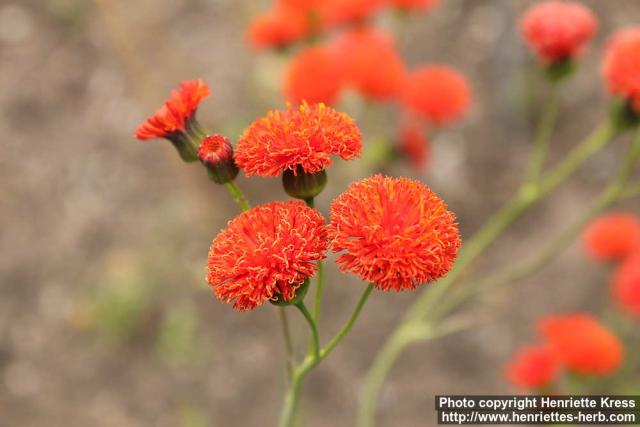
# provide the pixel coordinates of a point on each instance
(216, 154)
(302, 185)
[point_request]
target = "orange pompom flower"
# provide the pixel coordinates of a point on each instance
(411, 5)
(297, 139)
(414, 145)
(370, 63)
(533, 368)
(558, 30)
(612, 236)
(278, 28)
(621, 66)
(625, 286)
(313, 76)
(395, 232)
(582, 344)
(175, 120)
(266, 253)
(437, 93)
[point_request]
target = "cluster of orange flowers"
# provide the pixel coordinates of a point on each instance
(344, 50)
(392, 232)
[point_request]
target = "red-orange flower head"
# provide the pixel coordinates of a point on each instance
(313, 75)
(302, 138)
(414, 145)
(612, 236)
(558, 31)
(278, 28)
(175, 120)
(621, 66)
(173, 116)
(533, 368)
(437, 93)
(370, 63)
(266, 253)
(625, 286)
(395, 232)
(413, 5)
(216, 153)
(582, 344)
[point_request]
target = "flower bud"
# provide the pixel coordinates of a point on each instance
(303, 185)
(216, 154)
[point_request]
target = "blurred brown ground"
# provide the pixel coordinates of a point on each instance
(85, 206)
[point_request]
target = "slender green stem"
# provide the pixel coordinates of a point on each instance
(310, 202)
(237, 195)
(317, 302)
(288, 343)
(315, 348)
(543, 133)
(292, 397)
(385, 359)
(614, 192)
(347, 326)
(528, 194)
(632, 190)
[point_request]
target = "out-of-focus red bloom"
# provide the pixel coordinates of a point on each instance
(370, 63)
(612, 236)
(410, 5)
(395, 232)
(437, 93)
(533, 367)
(266, 252)
(621, 66)
(173, 116)
(313, 76)
(582, 344)
(334, 12)
(304, 137)
(277, 28)
(558, 30)
(414, 144)
(626, 285)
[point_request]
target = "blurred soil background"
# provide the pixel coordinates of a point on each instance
(105, 317)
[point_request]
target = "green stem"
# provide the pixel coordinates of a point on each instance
(347, 326)
(238, 196)
(614, 192)
(528, 194)
(317, 302)
(288, 343)
(292, 398)
(315, 348)
(632, 190)
(543, 133)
